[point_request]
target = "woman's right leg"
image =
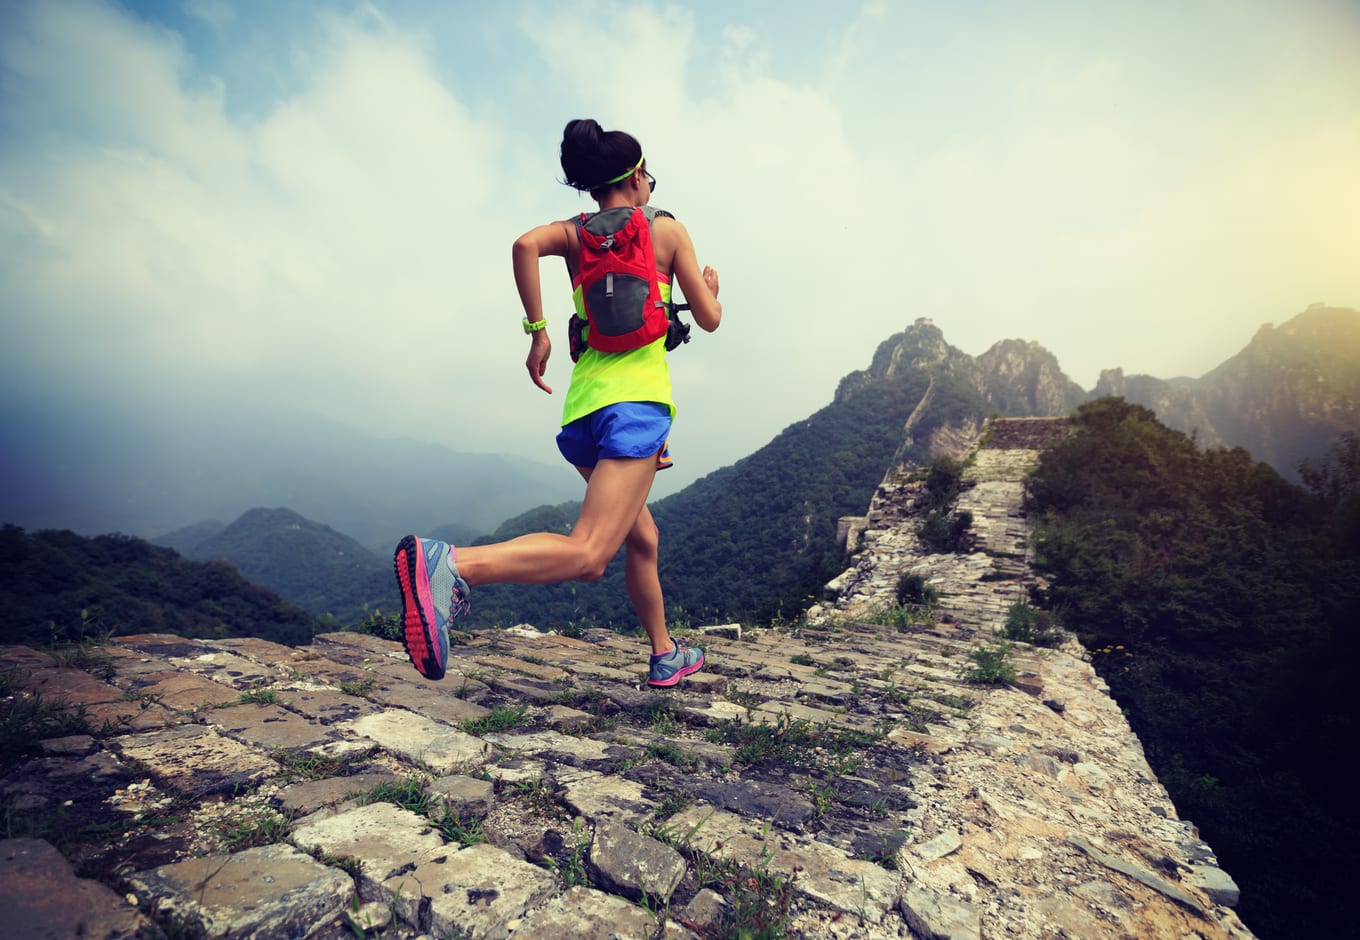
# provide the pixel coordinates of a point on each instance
(616, 495)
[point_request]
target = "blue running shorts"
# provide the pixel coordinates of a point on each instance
(629, 429)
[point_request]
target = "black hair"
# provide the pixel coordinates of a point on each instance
(591, 156)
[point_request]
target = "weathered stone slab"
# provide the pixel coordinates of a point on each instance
(600, 796)
(939, 847)
(836, 693)
(775, 711)
(263, 651)
(318, 671)
(268, 727)
(929, 743)
(47, 781)
(525, 689)
(582, 667)
(587, 914)
(140, 715)
(356, 648)
(270, 891)
(42, 897)
(706, 682)
(465, 797)
(182, 691)
(755, 798)
(537, 670)
(632, 865)
(195, 760)
(311, 795)
(1216, 883)
(431, 703)
(1137, 874)
(163, 646)
(71, 686)
(692, 753)
(935, 916)
(422, 741)
(326, 706)
(562, 748)
(824, 873)
(716, 712)
(238, 672)
(385, 838)
(25, 659)
(474, 893)
(564, 718)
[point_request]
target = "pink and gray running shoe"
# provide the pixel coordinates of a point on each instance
(669, 668)
(432, 594)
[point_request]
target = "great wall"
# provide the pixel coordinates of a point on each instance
(839, 777)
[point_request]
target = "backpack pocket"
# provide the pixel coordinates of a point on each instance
(617, 303)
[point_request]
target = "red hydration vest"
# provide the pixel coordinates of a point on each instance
(618, 281)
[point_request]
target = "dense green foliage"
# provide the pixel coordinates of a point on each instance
(1219, 602)
(59, 587)
(942, 527)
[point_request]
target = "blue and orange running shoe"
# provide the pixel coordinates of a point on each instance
(669, 668)
(432, 594)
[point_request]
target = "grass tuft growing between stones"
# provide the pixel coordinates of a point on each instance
(502, 718)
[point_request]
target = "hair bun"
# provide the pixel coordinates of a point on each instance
(591, 155)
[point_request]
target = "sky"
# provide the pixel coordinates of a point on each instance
(310, 205)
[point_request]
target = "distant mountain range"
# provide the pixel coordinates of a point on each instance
(1285, 398)
(147, 474)
(756, 539)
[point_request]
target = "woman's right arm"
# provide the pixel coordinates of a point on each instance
(551, 239)
(700, 287)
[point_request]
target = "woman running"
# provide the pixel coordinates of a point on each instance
(615, 420)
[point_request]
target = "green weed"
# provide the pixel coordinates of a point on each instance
(260, 826)
(258, 696)
(1027, 624)
(502, 718)
(991, 665)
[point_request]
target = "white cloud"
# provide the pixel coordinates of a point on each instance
(216, 13)
(1124, 193)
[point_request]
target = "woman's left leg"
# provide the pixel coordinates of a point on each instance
(642, 577)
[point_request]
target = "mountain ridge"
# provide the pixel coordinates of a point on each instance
(1285, 397)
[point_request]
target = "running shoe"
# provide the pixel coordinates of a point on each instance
(669, 668)
(432, 594)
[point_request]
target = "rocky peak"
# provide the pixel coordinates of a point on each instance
(919, 346)
(1021, 377)
(1014, 377)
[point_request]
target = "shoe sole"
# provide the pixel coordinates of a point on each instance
(418, 626)
(679, 674)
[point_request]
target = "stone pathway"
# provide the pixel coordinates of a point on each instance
(836, 780)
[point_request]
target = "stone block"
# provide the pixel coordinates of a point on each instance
(270, 891)
(633, 865)
(42, 897)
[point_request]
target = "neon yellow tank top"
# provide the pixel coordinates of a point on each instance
(601, 378)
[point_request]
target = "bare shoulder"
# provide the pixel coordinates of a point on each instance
(668, 231)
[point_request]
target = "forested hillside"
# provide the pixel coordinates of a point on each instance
(756, 540)
(59, 587)
(324, 572)
(1219, 603)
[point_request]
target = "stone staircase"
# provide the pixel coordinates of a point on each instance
(838, 778)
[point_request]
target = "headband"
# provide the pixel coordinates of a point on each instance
(622, 176)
